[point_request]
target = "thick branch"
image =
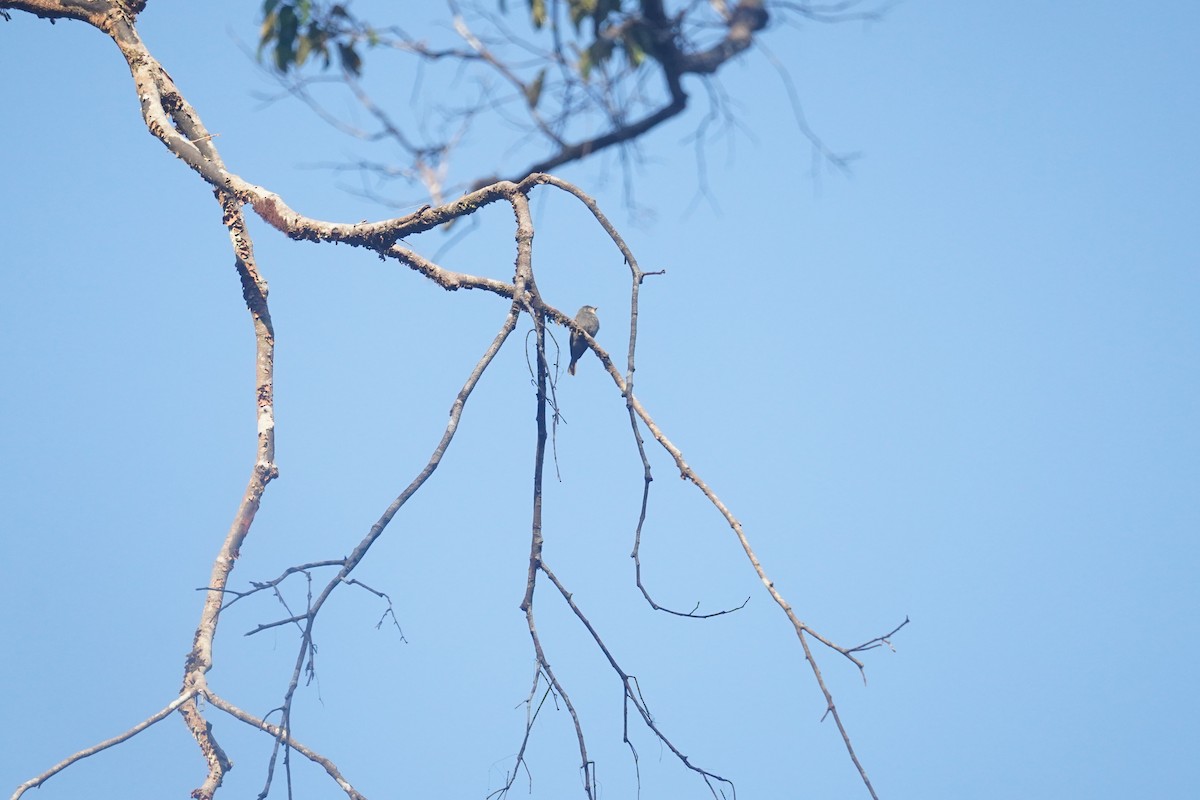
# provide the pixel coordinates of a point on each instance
(98, 13)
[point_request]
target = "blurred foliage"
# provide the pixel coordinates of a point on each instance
(298, 30)
(294, 32)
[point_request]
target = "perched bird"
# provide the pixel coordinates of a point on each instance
(586, 319)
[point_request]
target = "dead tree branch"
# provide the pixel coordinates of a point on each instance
(176, 124)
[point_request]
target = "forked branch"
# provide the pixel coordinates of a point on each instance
(172, 120)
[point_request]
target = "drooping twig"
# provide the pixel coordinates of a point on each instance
(629, 683)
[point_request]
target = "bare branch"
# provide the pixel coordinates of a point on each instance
(161, 714)
(281, 734)
(629, 683)
(171, 119)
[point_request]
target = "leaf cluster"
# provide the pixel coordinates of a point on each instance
(295, 31)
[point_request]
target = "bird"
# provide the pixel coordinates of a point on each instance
(586, 319)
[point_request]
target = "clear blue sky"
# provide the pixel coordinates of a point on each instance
(959, 385)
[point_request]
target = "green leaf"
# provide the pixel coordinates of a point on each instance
(602, 50)
(351, 61)
(538, 10)
(585, 64)
(303, 50)
(581, 10)
(285, 36)
(596, 54)
(634, 53)
(267, 33)
(533, 91)
(284, 56)
(638, 43)
(287, 26)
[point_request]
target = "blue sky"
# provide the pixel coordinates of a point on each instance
(960, 385)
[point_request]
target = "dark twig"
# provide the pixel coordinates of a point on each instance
(632, 694)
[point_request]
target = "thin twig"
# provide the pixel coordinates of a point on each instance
(158, 716)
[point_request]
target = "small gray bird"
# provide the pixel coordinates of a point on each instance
(586, 319)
